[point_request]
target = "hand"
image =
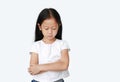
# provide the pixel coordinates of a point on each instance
(34, 69)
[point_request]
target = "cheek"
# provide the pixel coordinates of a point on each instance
(44, 32)
(55, 32)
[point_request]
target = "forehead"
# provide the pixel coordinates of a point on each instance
(50, 21)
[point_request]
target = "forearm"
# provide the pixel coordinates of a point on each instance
(61, 64)
(56, 66)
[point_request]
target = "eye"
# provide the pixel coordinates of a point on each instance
(54, 28)
(46, 28)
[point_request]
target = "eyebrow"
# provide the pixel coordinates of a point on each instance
(48, 26)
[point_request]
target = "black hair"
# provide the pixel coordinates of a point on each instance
(46, 14)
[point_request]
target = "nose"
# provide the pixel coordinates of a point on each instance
(50, 31)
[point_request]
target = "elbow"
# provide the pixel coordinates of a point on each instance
(65, 66)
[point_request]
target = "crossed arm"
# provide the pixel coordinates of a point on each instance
(61, 64)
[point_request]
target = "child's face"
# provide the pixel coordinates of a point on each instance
(49, 28)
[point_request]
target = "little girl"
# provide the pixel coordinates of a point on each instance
(49, 59)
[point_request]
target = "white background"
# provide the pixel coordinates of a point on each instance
(91, 27)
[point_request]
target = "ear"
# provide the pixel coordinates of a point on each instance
(39, 26)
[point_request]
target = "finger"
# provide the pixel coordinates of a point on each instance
(31, 64)
(31, 73)
(29, 69)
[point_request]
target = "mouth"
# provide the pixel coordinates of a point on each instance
(49, 36)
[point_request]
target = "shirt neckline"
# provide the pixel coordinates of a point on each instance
(49, 43)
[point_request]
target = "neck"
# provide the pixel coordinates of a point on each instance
(48, 41)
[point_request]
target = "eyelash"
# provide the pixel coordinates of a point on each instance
(46, 28)
(52, 28)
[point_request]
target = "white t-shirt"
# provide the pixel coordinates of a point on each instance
(49, 53)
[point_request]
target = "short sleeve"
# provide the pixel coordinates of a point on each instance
(65, 45)
(33, 48)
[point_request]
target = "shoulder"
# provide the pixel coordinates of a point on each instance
(37, 43)
(62, 41)
(63, 44)
(34, 46)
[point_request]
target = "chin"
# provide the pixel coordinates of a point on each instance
(50, 38)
